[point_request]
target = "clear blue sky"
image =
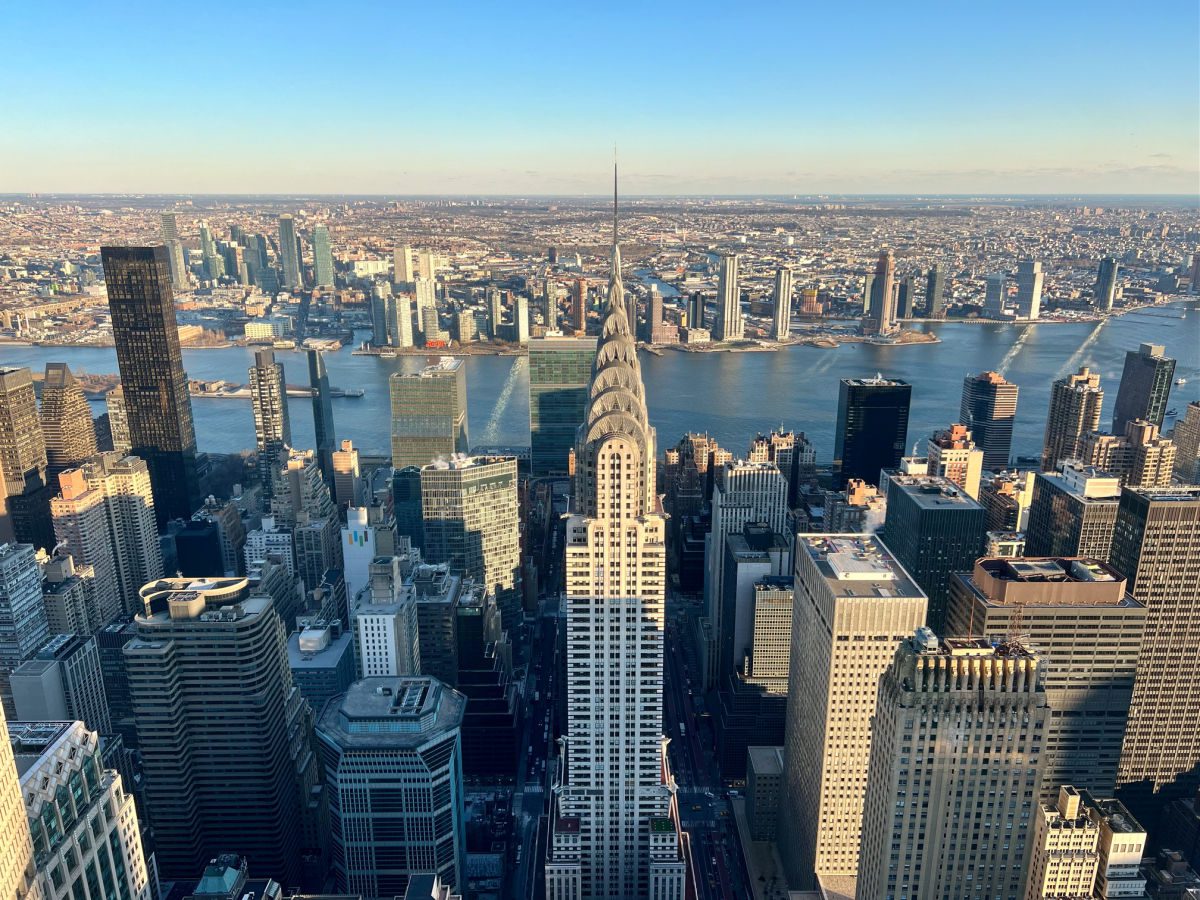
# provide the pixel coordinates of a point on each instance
(1053, 96)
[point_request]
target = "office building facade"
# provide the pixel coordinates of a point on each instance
(322, 257)
(472, 521)
(1106, 283)
(1073, 513)
(782, 321)
(730, 326)
(325, 437)
(933, 827)
(988, 408)
(66, 420)
(223, 732)
(1029, 289)
(392, 754)
(560, 369)
(23, 628)
(289, 254)
(1145, 387)
(429, 413)
(24, 488)
(1077, 614)
(153, 382)
(872, 427)
(935, 530)
(880, 316)
(1075, 403)
(850, 592)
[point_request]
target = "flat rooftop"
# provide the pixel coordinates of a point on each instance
(932, 492)
(392, 713)
(857, 565)
(766, 760)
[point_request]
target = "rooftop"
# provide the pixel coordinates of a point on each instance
(766, 760)
(932, 492)
(1047, 581)
(857, 565)
(392, 713)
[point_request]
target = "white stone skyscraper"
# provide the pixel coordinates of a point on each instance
(615, 825)
(730, 324)
(783, 304)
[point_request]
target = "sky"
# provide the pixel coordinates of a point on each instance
(1058, 97)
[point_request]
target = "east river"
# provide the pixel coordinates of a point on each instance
(730, 395)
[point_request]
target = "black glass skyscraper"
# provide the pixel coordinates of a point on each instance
(872, 427)
(935, 288)
(318, 380)
(1145, 387)
(159, 409)
(988, 408)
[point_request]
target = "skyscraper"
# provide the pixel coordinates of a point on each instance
(730, 325)
(881, 317)
(402, 267)
(1141, 456)
(472, 521)
(614, 825)
(1065, 848)
(1077, 613)
(948, 711)
(935, 291)
(80, 517)
(23, 485)
(347, 481)
(272, 424)
(1156, 545)
(520, 323)
(66, 421)
(1075, 403)
(18, 874)
(176, 263)
(322, 405)
(429, 413)
(579, 307)
(322, 257)
(1106, 283)
(23, 628)
(118, 419)
(695, 310)
(953, 455)
(743, 492)
(1187, 445)
(872, 427)
(995, 300)
(289, 254)
(495, 312)
(392, 751)
(783, 304)
(934, 529)
(400, 319)
(988, 408)
(1029, 289)
(854, 605)
(63, 680)
(68, 791)
(1072, 513)
(152, 378)
(224, 734)
(560, 369)
(1145, 387)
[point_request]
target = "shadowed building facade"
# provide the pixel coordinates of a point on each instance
(559, 371)
(153, 382)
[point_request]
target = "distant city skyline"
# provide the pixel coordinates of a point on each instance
(701, 99)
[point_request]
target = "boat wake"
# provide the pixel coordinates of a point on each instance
(1013, 351)
(502, 401)
(1069, 366)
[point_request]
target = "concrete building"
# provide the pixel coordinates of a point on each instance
(614, 822)
(944, 708)
(1073, 513)
(988, 409)
(154, 385)
(730, 326)
(24, 488)
(392, 754)
(849, 592)
(1029, 289)
(1122, 848)
(68, 593)
(289, 254)
(63, 680)
(271, 542)
(66, 420)
(223, 732)
(321, 658)
(23, 628)
(764, 788)
(859, 509)
(1075, 403)
(1187, 445)
(436, 594)
(118, 419)
(1140, 457)
(403, 272)
(953, 455)
(1145, 387)
(84, 824)
(742, 493)
(347, 477)
(560, 369)
(322, 257)
(934, 530)
(783, 304)
(1006, 496)
(1156, 545)
(880, 317)
(935, 292)
(19, 876)
(1065, 849)
(429, 413)
(995, 299)
(81, 525)
(386, 641)
(1076, 613)
(471, 515)
(1106, 284)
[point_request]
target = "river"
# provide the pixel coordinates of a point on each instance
(730, 395)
